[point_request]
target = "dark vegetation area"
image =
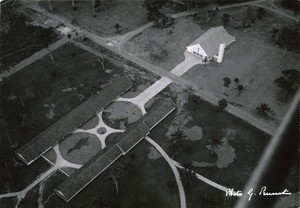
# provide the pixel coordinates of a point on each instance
(293, 5)
(27, 100)
(20, 39)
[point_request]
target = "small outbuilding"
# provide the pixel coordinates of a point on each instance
(211, 44)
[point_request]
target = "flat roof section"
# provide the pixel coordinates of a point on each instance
(74, 119)
(130, 138)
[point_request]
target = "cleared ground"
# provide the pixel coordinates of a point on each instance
(128, 14)
(253, 58)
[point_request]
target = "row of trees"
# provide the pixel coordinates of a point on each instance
(95, 4)
(155, 13)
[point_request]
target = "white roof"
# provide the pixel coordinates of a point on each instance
(212, 38)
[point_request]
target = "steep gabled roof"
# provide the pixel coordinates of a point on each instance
(212, 38)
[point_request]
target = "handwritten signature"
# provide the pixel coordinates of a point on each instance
(262, 192)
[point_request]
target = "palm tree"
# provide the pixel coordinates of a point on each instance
(236, 81)
(263, 109)
(116, 173)
(188, 177)
(214, 143)
(226, 84)
(226, 19)
(50, 6)
(177, 136)
(117, 26)
(177, 139)
(240, 88)
(205, 60)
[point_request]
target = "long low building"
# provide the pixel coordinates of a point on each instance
(74, 119)
(100, 162)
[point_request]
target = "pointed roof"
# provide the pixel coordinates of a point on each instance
(212, 38)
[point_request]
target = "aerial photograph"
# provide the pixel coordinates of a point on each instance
(149, 103)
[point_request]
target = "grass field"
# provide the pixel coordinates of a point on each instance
(128, 14)
(252, 58)
(246, 142)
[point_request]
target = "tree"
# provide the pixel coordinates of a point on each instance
(50, 6)
(117, 26)
(116, 172)
(288, 39)
(288, 82)
(274, 32)
(261, 13)
(236, 80)
(226, 19)
(177, 139)
(263, 109)
(178, 136)
(188, 177)
(73, 5)
(226, 84)
(214, 143)
(205, 60)
(222, 104)
(21, 118)
(240, 88)
(152, 7)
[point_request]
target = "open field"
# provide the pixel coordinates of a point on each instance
(20, 39)
(253, 58)
(242, 143)
(131, 190)
(128, 14)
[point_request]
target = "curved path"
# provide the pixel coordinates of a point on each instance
(177, 164)
(59, 163)
(174, 169)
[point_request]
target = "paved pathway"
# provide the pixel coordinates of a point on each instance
(60, 162)
(34, 57)
(100, 124)
(173, 164)
(174, 169)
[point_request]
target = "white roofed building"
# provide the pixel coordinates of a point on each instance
(211, 44)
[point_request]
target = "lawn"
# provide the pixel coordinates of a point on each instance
(128, 14)
(232, 164)
(20, 39)
(151, 44)
(253, 58)
(144, 185)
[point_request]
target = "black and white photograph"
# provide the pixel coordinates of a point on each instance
(149, 103)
